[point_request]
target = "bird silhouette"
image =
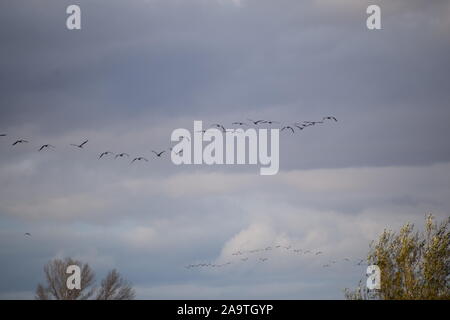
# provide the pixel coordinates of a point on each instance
(256, 122)
(27, 234)
(121, 155)
(288, 127)
(179, 153)
(104, 154)
(158, 154)
(46, 146)
(217, 125)
(139, 159)
(19, 141)
(330, 118)
(240, 123)
(3, 134)
(79, 145)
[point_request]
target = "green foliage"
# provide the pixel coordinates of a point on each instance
(413, 265)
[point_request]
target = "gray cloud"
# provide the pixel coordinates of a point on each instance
(139, 69)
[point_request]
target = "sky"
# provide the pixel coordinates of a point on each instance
(139, 69)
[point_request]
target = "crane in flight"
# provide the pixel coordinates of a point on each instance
(288, 128)
(19, 141)
(330, 118)
(139, 159)
(46, 146)
(80, 146)
(121, 155)
(256, 122)
(158, 154)
(105, 154)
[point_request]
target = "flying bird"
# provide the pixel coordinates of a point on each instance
(2, 134)
(270, 122)
(263, 259)
(240, 123)
(104, 154)
(139, 159)
(318, 252)
(288, 127)
(330, 118)
(79, 145)
(121, 155)
(256, 122)
(46, 146)
(19, 141)
(27, 234)
(179, 153)
(217, 125)
(158, 154)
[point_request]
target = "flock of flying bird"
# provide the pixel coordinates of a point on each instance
(158, 154)
(244, 257)
(296, 126)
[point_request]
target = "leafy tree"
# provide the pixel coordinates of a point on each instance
(413, 265)
(113, 287)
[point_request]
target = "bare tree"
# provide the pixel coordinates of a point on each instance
(56, 280)
(113, 287)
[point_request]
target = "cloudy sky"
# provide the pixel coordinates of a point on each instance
(139, 69)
